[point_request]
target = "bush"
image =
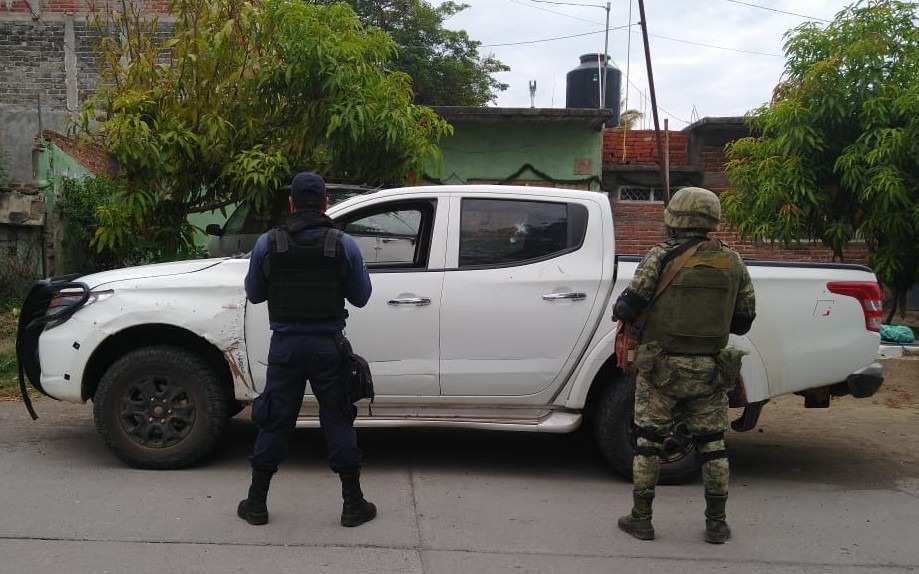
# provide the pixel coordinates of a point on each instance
(16, 274)
(4, 169)
(101, 231)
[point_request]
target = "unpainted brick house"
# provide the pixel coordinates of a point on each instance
(631, 177)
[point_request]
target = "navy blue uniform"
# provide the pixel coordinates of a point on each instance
(301, 352)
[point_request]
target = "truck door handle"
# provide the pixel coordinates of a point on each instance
(557, 296)
(417, 301)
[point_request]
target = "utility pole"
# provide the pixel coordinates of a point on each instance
(657, 127)
(605, 62)
(605, 57)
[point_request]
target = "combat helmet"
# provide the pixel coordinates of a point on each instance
(693, 208)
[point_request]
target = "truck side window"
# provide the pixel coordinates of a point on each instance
(509, 231)
(392, 235)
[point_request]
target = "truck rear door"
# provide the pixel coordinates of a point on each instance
(520, 297)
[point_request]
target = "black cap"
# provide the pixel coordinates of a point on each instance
(307, 189)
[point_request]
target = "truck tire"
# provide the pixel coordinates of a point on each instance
(160, 407)
(613, 424)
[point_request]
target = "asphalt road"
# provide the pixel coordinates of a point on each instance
(454, 502)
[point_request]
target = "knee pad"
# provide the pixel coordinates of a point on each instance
(716, 439)
(649, 442)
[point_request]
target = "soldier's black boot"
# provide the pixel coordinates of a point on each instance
(638, 522)
(354, 510)
(254, 509)
(716, 526)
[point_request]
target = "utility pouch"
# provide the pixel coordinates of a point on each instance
(727, 368)
(356, 376)
(651, 360)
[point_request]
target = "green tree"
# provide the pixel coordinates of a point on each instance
(445, 65)
(835, 155)
(237, 97)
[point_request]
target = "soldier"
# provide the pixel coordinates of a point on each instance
(681, 358)
(305, 271)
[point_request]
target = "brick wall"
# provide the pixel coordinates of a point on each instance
(32, 63)
(639, 225)
(639, 147)
(38, 9)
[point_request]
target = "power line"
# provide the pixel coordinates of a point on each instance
(751, 5)
(551, 39)
(528, 5)
(715, 47)
(774, 10)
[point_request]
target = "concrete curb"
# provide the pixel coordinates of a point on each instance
(898, 351)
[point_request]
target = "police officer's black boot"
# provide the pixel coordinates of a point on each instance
(254, 509)
(716, 526)
(355, 510)
(638, 522)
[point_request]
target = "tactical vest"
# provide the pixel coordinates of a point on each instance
(692, 316)
(306, 282)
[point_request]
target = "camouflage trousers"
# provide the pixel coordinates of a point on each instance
(668, 386)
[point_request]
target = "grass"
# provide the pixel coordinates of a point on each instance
(9, 367)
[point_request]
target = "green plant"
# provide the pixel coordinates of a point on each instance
(833, 156)
(235, 98)
(100, 236)
(9, 369)
(17, 271)
(4, 168)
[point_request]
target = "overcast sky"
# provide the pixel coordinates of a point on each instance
(708, 57)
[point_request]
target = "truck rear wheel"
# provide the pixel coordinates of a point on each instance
(613, 427)
(160, 407)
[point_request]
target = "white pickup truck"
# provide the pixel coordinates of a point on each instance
(490, 310)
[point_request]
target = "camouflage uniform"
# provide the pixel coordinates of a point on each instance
(665, 381)
(682, 360)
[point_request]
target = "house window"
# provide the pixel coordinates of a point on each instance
(637, 193)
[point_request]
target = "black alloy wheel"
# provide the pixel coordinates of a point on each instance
(160, 407)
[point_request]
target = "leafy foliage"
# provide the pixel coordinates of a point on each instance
(629, 118)
(236, 98)
(100, 233)
(17, 271)
(835, 155)
(445, 65)
(4, 169)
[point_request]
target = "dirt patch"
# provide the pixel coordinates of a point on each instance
(901, 384)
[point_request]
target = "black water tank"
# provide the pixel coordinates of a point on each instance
(583, 88)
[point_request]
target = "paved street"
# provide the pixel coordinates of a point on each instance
(456, 502)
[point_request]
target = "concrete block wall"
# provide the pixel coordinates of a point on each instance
(47, 69)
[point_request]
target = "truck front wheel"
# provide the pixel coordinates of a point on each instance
(613, 427)
(160, 407)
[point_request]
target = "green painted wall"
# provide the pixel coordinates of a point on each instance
(498, 150)
(53, 162)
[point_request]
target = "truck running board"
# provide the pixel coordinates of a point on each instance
(555, 422)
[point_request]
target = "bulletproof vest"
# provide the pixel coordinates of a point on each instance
(692, 316)
(306, 282)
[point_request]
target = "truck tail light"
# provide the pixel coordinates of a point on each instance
(868, 294)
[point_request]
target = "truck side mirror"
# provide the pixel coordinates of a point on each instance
(214, 229)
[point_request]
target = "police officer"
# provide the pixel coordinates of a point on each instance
(306, 270)
(681, 359)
